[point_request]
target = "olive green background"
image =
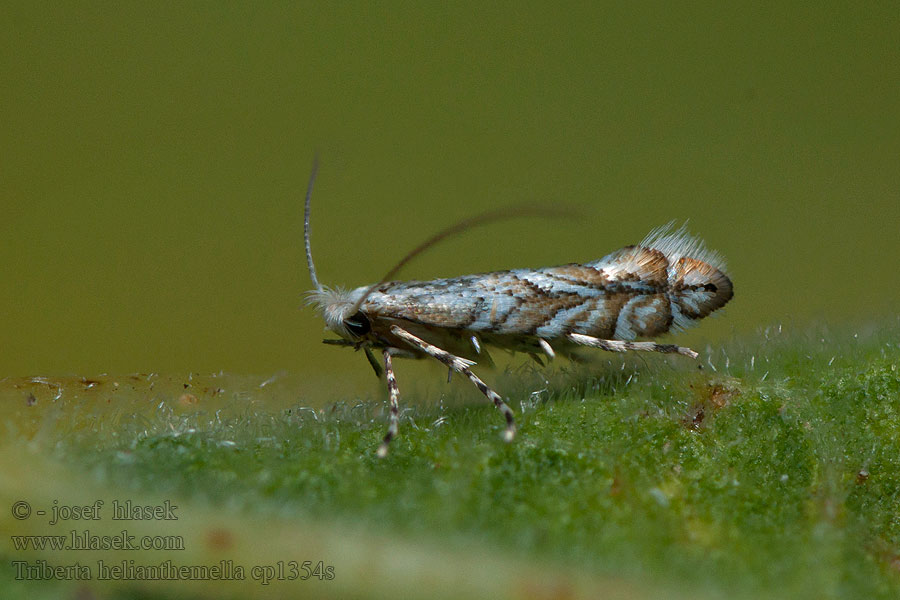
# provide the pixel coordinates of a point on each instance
(154, 158)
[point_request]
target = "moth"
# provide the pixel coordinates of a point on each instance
(665, 283)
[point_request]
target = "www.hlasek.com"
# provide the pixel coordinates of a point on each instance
(85, 540)
(128, 570)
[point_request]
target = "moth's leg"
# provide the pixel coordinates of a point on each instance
(620, 346)
(371, 358)
(547, 348)
(461, 365)
(394, 393)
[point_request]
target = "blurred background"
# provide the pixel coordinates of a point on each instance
(155, 156)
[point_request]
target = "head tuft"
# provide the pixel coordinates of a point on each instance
(337, 307)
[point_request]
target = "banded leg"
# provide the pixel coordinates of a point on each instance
(621, 346)
(394, 393)
(461, 365)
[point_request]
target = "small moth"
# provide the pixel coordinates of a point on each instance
(666, 283)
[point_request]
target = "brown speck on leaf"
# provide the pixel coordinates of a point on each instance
(862, 476)
(30, 400)
(885, 552)
(616, 488)
(83, 593)
(710, 397)
(720, 395)
(219, 539)
(697, 419)
(187, 400)
(895, 563)
(559, 589)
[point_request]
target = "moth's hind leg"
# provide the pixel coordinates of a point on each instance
(621, 346)
(394, 393)
(461, 365)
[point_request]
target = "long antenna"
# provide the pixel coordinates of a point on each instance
(309, 260)
(502, 214)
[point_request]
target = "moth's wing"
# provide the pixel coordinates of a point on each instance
(472, 302)
(515, 308)
(620, 296)
(635, 292)
(636, 267)
(670, 283)
(511, 309)
(697, 281)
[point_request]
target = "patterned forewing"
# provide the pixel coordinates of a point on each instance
(621, 296)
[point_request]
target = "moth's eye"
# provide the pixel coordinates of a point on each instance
(358, 324)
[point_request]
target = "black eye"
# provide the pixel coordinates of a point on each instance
(358, 325)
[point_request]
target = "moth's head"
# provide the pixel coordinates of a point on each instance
(338, 309)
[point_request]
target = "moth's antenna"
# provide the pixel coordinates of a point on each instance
(502, 214)
(309, 260)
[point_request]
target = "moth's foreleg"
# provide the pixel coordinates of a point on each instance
(622, 346)
(374, 363)
(394, 393)
(461, 365)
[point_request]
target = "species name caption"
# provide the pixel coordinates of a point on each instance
(80, 538)
(666, 283)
